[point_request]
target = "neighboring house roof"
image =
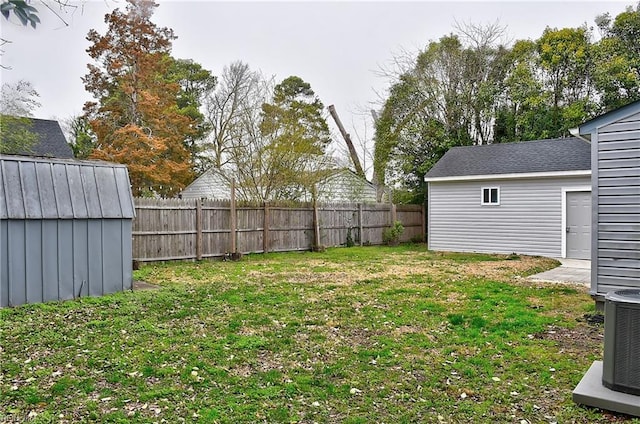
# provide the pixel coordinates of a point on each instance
(50, 140)
(43, 188)
(615, 115)
(341, 186)
(527, 157)
(212, 184)
(345, 185)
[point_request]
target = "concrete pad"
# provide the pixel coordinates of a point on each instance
(591, 392)
(570, 271)
(575, 263)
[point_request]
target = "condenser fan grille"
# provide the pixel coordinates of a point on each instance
(621, 365)
(627, 347)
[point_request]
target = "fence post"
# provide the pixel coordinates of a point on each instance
(316, 228)
(394, 214)
(360, 225)
(232, 218)
(198, 229)
(424, 223)
(265, 229)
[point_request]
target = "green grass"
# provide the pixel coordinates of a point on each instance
(351, 335)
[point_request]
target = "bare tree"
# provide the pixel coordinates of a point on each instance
(19, 99)
(226, 108)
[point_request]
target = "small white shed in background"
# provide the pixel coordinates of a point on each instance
(65, 229)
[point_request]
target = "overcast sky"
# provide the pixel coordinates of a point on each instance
(335, 46)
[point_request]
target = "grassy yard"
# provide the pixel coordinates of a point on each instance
(351, 335)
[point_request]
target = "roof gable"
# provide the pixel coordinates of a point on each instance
(539, 156)
(50, 140)
(605, 119)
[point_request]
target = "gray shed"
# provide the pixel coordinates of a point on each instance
(530, 197)
(615, 152)
(65, 229)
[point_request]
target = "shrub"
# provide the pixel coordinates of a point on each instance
(350, 241)
(391, 235)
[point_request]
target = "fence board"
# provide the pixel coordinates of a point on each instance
(166, 229)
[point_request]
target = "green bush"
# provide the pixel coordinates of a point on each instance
(391, 235)
(350, 241)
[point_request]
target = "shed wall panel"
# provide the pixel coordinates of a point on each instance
(126, 248)
(111, 230)
(45, 260)
(95, 255)
(50, 268)
(527, 221)
(80, 257)
(616, 244)
(17, 268)
(33, 260)
(66, 260)
(4, 263)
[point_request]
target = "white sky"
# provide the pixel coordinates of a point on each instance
(335, 46)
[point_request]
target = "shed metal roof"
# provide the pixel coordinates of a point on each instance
(539, 156)
(40, 188)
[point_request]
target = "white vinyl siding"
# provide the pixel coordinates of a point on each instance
(528, 221)
(616, 244)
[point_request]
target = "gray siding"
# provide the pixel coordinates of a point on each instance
(65, 229)
(527, 221)
(616, 181)
(55, 259)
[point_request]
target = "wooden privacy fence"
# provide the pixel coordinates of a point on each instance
(168, 229)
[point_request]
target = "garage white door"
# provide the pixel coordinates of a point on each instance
(579, 224)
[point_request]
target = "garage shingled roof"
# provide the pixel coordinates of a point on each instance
(553, 155)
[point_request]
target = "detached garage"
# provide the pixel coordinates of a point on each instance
(530, 197)
(65, 229)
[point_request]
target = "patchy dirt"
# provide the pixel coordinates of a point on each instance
(582, 338)
(141, 285)
(405, 266)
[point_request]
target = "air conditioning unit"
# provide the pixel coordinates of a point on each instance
(621, 364)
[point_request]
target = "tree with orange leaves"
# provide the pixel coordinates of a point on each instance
(136, 118)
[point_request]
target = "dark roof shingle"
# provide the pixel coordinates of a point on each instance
(553, 155)
(50, 140)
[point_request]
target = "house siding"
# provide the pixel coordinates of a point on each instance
(616, 198)
(527, 221)
(209, 185)
(346, 187)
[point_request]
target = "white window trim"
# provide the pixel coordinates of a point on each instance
(482, 202)
(563, 228)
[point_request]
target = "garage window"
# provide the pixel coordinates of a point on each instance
(490, 196)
